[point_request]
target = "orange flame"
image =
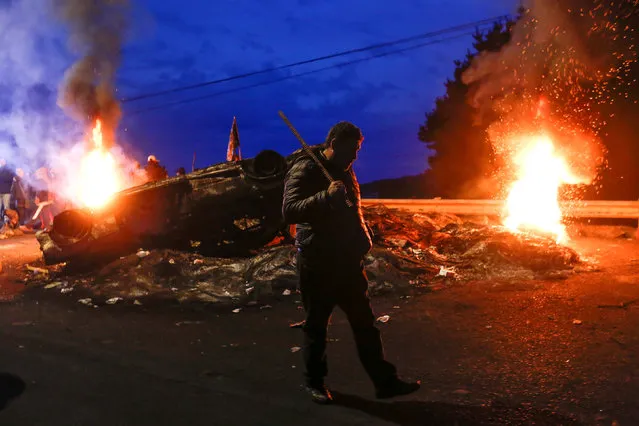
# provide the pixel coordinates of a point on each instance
(99, 179)
(532, 203)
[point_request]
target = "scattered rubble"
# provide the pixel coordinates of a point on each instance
(383, 319)
(411, 252)
(468, 250)
(181, 323)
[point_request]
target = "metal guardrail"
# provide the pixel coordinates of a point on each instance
(583, 209)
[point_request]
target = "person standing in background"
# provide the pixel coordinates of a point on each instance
(21, 196)
(6, 183)
(154, 170)
(44, 196)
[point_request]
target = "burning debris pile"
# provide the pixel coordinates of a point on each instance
(543, 96)
(469, 250)
(412, 252)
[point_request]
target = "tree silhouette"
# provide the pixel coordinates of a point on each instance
(620, 134)
(463, 160)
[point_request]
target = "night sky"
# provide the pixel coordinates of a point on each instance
(174, 43)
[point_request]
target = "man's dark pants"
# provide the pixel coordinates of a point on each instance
(324, 285)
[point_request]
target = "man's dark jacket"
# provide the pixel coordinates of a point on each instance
(326, 228)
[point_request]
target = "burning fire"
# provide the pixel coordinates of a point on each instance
(532, 203)
(99, 179)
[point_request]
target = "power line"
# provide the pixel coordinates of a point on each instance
(305, 73)
(318, 59)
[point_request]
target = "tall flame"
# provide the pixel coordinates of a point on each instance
(532, 203)
(99, 178)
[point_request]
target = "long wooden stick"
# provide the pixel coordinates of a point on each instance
(310, 152)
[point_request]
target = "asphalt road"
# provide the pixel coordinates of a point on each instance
(14, 254)
(488, 353)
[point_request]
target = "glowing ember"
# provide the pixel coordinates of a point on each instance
(532, 202)
(99, 178)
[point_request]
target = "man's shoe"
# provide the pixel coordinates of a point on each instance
(319, 394)
(396, 387)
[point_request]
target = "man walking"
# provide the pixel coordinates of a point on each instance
(21, 196)
(332, 239)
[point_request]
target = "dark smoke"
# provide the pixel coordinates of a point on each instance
(97, 33)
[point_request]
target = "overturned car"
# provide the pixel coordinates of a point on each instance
(226, 209)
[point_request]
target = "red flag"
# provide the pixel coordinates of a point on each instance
(233, 152)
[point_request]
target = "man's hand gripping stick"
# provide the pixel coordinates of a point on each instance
(311, 154)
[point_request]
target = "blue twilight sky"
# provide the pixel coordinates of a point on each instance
(173, 43)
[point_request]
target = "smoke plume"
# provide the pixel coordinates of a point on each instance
(32, 128)
(567, 53)
(97, 30)
(554, 46)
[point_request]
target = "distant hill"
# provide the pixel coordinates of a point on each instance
(417, 186)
